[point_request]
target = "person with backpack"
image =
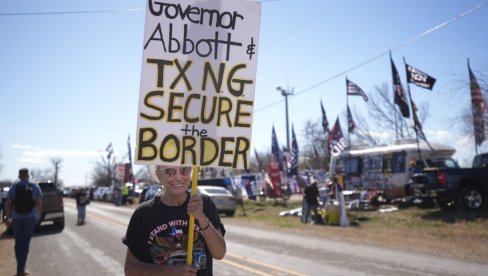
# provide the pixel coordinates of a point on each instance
(24, 203)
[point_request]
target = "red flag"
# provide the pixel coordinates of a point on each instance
(336, 140)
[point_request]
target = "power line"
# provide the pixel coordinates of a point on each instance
(87, 12)
(429, 31)
(68, 12)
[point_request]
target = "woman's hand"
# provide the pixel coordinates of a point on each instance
(195, 207)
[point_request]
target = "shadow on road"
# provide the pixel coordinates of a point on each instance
(39, 231)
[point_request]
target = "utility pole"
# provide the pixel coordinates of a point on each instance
(285, 94)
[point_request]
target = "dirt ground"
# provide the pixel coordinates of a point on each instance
(445, 233)
(7, 256)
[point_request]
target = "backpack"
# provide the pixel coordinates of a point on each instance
(23, 201)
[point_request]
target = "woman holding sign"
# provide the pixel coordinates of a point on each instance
(157, 235)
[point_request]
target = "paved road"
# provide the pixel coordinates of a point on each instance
(96, 249)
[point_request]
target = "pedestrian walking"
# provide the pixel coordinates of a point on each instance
(82, 200)
(24, 203)
(157, 235)
(125, 194)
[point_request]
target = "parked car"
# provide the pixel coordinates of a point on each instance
(152, 191)
(99, 192)
(52, 204)
(466, 188)
(226, 203)
(108, 194)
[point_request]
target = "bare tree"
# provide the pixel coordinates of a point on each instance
(56, 162)
(381, 119)
(102, 173)
(315, 151)
(143, 175)
(0, 163)
(38, 175)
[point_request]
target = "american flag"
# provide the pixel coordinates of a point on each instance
(354, 90)
(479, 107)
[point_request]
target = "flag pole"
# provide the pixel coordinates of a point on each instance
(191, 225)
(412, 106)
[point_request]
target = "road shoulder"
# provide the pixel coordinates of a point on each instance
(7, 255)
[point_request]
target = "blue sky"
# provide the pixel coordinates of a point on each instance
(70, 72)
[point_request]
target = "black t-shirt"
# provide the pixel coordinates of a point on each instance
(158, 233)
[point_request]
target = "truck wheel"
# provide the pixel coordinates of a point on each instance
(471, 198)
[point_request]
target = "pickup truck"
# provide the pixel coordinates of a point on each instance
(52, 204)
(466, 188)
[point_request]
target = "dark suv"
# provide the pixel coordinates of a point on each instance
(52, 204)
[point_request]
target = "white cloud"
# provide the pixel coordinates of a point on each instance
(30, 151)
(30, 160)
(438, 135)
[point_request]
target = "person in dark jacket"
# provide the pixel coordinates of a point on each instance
(82, 199)
(312, 198)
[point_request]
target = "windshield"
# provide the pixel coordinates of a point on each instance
(442, 163)
(47, 187)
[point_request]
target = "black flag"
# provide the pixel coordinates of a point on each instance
(294, 154)
(400, 97)
(325, 123)
(350, 122)
(419, 78)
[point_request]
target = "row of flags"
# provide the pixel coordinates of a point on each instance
(336, 141)
(110, 150)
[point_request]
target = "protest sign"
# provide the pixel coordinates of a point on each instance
(197, 83)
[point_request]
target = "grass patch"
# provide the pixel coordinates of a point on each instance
(448, 233)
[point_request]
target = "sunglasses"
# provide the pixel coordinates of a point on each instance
(172, 171)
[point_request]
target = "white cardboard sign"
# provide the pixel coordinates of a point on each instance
(197, 83)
